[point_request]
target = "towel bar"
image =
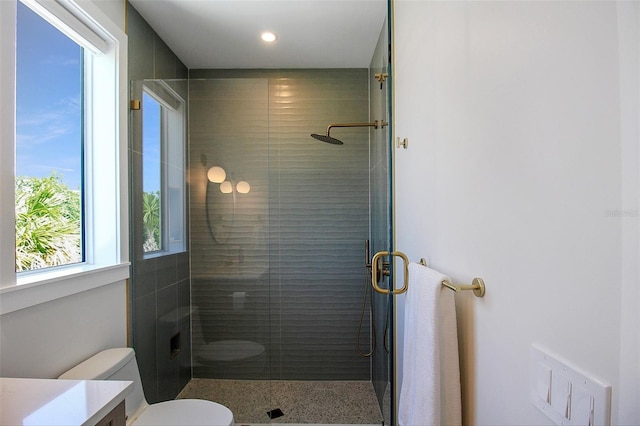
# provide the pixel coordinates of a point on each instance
(477, 285)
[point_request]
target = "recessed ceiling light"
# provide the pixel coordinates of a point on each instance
(269, 37)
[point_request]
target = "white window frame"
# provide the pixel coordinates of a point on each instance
(106, 164)
(172, 165)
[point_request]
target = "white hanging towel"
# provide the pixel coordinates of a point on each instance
(430, 392)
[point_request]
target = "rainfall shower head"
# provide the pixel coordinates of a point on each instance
(328, 139)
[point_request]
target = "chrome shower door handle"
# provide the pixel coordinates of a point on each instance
(375, 265)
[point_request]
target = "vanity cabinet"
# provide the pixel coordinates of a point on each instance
(116, 417)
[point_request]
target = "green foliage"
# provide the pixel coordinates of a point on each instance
(48, 223)
(151, 221)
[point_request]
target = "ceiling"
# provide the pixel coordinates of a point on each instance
(226, 33)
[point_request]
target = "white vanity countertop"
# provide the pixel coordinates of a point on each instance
(58, 402)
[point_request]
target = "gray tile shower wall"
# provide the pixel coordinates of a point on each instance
(287, 272)
(160, 286)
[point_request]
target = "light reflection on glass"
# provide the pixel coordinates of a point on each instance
(62, 410)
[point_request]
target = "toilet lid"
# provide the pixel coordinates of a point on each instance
(185, 412)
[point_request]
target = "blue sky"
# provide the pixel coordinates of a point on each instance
(48, 101)
(151, 147)
(49, 107)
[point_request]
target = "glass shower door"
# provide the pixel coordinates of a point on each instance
(229, 211)
(381, 226)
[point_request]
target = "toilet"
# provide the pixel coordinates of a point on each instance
(121, 364)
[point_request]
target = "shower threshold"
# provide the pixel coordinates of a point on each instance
(302, 402)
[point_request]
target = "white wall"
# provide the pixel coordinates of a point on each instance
(114, 9)
(629, 39)
(522, 169)
(47, 339)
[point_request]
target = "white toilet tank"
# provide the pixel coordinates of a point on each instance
(113, 364)
(120, 364)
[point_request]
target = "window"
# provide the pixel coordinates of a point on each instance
(163, 165)
(151, 177)
(49, 145)
(92, 115)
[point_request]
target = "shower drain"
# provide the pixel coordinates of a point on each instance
(275, 413)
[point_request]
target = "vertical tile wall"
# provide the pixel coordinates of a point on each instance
(160, 285)
(302, 297)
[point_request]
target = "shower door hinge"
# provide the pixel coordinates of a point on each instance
(382, 268)
(135, 104)
(381, 77)
(404, 143)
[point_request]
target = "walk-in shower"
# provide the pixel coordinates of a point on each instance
(277, 273)
(270, 311)
(264, 311)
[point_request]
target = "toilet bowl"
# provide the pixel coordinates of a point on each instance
(195, 412)
(120, 364)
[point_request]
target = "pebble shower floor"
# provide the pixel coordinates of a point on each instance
(301, 402)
